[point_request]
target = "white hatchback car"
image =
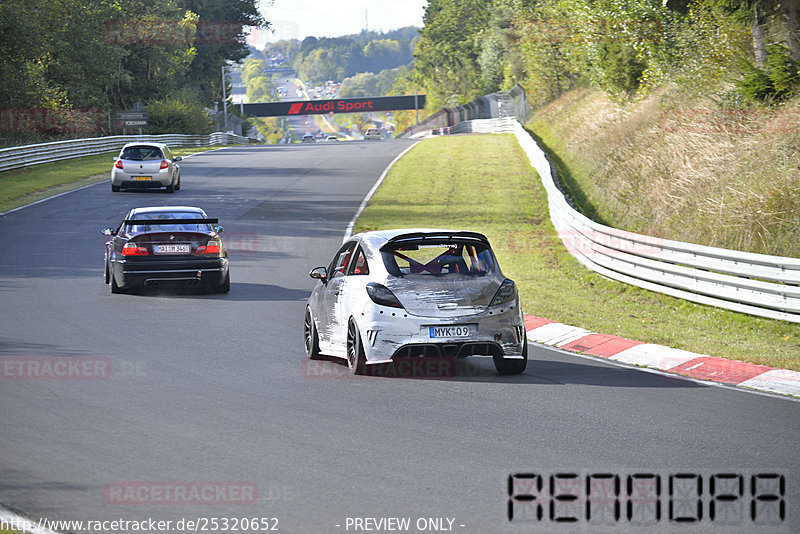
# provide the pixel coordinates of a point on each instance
(415, 293)
(373, 133)
(146, 166)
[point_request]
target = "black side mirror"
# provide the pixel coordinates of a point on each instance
(178, 158)
(218, 229)
(320, 273)
(109, 231)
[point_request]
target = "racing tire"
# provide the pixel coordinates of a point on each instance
(106, 274)
(171, 188)
(356, 359)
(507, 366)
(225, 286)
(114, 287)
(310, 336)
(115, 188)
(178, 185)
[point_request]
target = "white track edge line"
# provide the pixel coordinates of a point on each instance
(349, 231)
(50, 198)
(90, 185)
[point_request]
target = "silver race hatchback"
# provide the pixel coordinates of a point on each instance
(146, 166)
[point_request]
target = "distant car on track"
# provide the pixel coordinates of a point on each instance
(331, 138)
(373, 133)
(155, 246)
(415, 293)
(308, 138)
(146, 166)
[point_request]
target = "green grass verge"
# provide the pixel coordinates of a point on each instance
(485, 183)
(23, 186)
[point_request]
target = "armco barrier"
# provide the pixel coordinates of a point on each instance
(745, 282)
(756, 284)
(473, 126)
(511, 104)
(25, 156)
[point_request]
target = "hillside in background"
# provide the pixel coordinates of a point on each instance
(337, 58)
(688, 172)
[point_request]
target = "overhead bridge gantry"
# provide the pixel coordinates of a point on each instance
(340, 105)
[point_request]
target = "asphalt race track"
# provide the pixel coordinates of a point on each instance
(215, 389)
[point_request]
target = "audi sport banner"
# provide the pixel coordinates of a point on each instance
(342, 105)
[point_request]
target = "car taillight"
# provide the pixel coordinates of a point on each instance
(164, 164)
(118, 164)
(132, 249)
(212, 247)
(506, 293)
(380, 294)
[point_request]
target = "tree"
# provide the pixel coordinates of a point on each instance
(448, 50)
(790, 11)
(221, 38)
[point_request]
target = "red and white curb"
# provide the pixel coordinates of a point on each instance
(680, 362)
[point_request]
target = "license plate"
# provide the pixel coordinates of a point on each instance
(172, 249)
(142, 178)
(450, 331)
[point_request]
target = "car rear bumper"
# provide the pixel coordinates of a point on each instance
(499, 334)
(149, 184)
(124, 180)
(154, 273)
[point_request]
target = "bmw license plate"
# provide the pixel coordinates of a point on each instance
(172, 249)
(142, 178)
(450, 331)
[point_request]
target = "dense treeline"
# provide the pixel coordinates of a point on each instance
(104, 55)
(337, 58)
(369, 84)
(751, 48)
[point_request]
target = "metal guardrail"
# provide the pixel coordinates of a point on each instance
(505, 125)
(25, 156)
(511, 104)
(756, 284)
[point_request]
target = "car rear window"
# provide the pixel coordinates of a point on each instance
(183, 227)
(142, 152)
(438, 259)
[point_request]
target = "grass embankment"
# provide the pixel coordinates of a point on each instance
(681, 168)
(23, 186)
(485, 183)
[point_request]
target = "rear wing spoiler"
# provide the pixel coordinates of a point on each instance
(432, 237)
(149, 222)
